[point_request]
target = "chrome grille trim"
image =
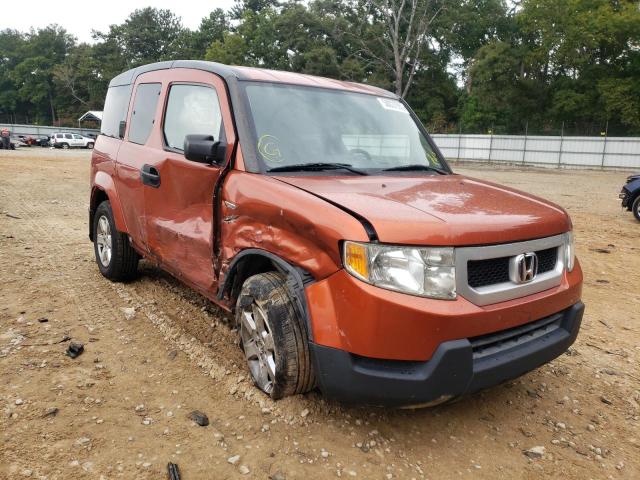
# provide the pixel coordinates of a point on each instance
(502, 292)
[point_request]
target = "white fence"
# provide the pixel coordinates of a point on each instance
(589, 152)
(19, 129)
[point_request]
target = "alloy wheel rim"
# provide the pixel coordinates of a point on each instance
(103, 241)
(258, 346)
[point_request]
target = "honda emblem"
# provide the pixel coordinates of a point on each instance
(523, 268)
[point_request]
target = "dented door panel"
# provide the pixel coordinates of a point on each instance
(180, 212)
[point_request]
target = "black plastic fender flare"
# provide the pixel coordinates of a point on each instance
(297, 280)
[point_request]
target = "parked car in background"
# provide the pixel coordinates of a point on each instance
(12, 144)
(630, 195)
(28, 140)
(71, 140)
(43, 141)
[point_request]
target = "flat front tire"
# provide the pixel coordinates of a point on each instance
(273, 337)
(116, 258)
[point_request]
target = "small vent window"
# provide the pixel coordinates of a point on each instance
(116, 106)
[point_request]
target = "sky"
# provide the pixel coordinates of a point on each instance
(79, 18)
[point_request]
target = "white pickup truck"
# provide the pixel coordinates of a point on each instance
(71, 140)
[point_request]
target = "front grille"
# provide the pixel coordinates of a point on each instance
(488, 272)
(547, 259)
(498, 342)
(481, 273)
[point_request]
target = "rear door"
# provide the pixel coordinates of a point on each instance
(133, 154)
(179, 193)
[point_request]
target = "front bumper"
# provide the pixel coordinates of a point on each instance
(625, 197)
(456, 368)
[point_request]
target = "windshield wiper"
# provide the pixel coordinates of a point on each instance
(310, 167)
(416, 167)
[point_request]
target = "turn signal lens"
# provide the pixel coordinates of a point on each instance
(569, 251)
(355, 259)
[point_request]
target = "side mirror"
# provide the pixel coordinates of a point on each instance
(121, 128)
(204, 149)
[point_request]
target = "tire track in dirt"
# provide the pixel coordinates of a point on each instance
(218, 368)
(479, 437)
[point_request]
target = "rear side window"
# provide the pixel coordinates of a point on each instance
(68, 136)
(191, 109)
(144, 111)
(77, 137)
(115, 110)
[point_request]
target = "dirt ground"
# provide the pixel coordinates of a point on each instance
(155, 351)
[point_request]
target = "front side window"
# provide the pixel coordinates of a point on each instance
(305, 125)
(191, 109)
(77, 137)
(144, 111)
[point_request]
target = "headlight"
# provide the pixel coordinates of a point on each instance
(569, 251)
(427, 272)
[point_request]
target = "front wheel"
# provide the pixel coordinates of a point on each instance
(116, 258)
(90, 146)
(636, 208)
(273, 337)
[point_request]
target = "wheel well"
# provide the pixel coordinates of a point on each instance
(254, 261)
(97, 197)
(245, 267)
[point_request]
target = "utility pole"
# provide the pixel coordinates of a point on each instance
(604, 146)
(524, 149)
(561, 142)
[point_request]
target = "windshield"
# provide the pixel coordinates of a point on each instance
(305, 125)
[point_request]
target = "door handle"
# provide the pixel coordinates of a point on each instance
(150, 175)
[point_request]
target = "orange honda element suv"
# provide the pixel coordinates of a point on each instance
(321, 214)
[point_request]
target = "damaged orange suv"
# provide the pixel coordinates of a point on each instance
(322, 214)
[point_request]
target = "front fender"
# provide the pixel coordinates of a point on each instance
(259, 212)
(103, 182)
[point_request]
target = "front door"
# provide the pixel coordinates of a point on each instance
(179, 193)
(77, 141)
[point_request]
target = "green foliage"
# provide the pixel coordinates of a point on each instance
(481, 65)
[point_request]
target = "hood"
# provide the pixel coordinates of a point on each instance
(439, 210)
(631, 178)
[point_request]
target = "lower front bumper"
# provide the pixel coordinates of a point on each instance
(624, 197)
(457, 367)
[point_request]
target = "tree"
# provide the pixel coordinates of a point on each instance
(148, 35)
(212, 28)
(394, 35)
(42, 50)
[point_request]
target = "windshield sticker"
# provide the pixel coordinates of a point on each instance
(390, 104)
(269, 149)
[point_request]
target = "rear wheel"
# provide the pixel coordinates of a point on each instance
(273, 337)
(116, 258)
(636, 208)
(65, 146)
